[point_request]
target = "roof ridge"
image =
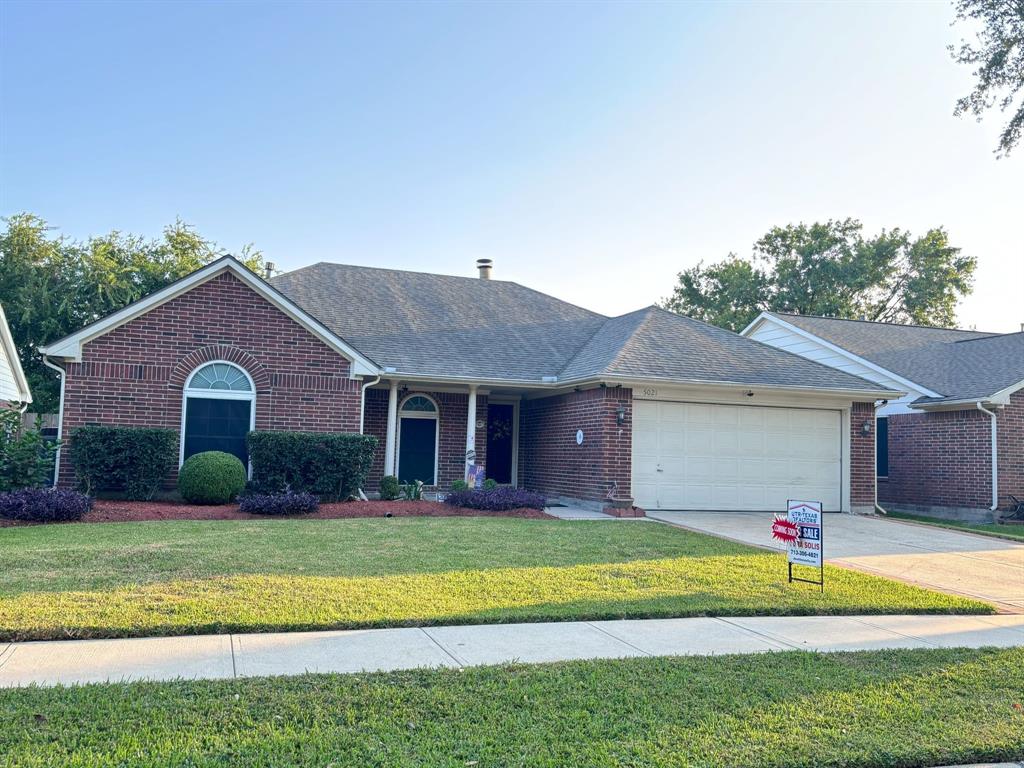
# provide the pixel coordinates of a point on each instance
(604, 324)
(881, 322)
(392, 269)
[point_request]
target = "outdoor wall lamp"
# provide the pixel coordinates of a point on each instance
(620, 415)
(866, 427)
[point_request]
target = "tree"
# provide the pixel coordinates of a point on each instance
(51, 286)
(831, 269)
(998, 55)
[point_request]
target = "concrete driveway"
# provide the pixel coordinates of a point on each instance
(963, 563)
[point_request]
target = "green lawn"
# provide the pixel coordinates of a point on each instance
(794, 709)
(112, 580)
(1012, 532)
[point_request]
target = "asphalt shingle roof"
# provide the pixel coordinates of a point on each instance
(959, 365)
(445, 326)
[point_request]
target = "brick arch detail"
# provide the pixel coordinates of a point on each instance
(241, 358)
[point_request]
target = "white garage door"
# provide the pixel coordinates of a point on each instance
(729, 457)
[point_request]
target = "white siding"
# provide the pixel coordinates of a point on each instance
(8, 389)
(776, 335)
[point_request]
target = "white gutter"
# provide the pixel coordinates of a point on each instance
(995, 457)
(60, 419)
(362, 403)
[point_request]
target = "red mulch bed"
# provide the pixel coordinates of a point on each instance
(110, 511)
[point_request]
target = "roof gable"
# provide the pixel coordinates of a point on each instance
(947, 364)
(70, 347)
(11, 365)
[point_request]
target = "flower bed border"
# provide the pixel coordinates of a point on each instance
(114, 511)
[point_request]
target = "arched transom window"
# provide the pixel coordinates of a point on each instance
(223, 376)
(419, 404)
(218, 410)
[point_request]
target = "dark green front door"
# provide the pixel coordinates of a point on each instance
(417, 448)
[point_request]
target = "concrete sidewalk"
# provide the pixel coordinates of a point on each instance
(292, 653)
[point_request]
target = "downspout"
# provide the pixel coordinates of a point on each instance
(995, 457)
(60, 419)
(878, 507)
(362, 416)
(362, 403)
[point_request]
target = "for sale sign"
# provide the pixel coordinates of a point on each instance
(805, 517)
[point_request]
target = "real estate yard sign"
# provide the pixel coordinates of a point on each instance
(801, 530)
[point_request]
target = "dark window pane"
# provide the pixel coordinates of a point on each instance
(217, 425)
(882, 446)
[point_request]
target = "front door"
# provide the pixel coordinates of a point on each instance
(417, 450)
(216, 424)
(499, 442)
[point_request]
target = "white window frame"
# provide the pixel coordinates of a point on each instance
(436, 416)
(215, 394)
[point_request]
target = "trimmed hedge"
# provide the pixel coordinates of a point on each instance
(332, 465)
(44, 505)
(130, 459)
(211, 477)
(389, 488)
(498, 499)
(287, 503)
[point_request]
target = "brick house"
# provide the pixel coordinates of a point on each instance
(953, 445)
(14, 391)
(452, 373)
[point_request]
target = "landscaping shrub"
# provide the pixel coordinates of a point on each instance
(496, 499)
(460, 485)
(26, 458)
(130, 459)
(211, 477)
(44, 505)
(287, 503)
(332, 465)
(413, 491)
(490, 484)
(389, 488)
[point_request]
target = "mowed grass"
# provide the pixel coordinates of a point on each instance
(117, 580)
(1011, 532)
(794, 709)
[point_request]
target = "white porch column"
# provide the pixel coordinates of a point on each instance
(389, 442)
(471, 429)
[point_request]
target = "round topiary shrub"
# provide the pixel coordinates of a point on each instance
(211, 477)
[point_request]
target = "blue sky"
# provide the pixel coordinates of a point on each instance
(592, 150)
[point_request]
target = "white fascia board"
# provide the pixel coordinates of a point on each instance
(1000, 398)
(70, 347)
(840, 351)
(636, 381)
(11, 353)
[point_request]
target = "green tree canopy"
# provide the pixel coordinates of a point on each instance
(831, 269)
(998, 58)
(51, 286)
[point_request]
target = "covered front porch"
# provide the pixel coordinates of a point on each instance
(572, 444)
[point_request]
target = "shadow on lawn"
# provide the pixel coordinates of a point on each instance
(710, 586)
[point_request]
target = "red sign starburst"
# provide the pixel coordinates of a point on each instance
(783, 530)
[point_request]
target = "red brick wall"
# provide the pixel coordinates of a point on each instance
(939, 459)
(551, 462)
(1010, 426)
(134, 374)
(862, 456)
(452, 411)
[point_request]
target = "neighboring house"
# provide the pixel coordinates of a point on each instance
(14, 391)
(452, 371)
(964, 406)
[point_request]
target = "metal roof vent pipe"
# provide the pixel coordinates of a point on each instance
(484, 267)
